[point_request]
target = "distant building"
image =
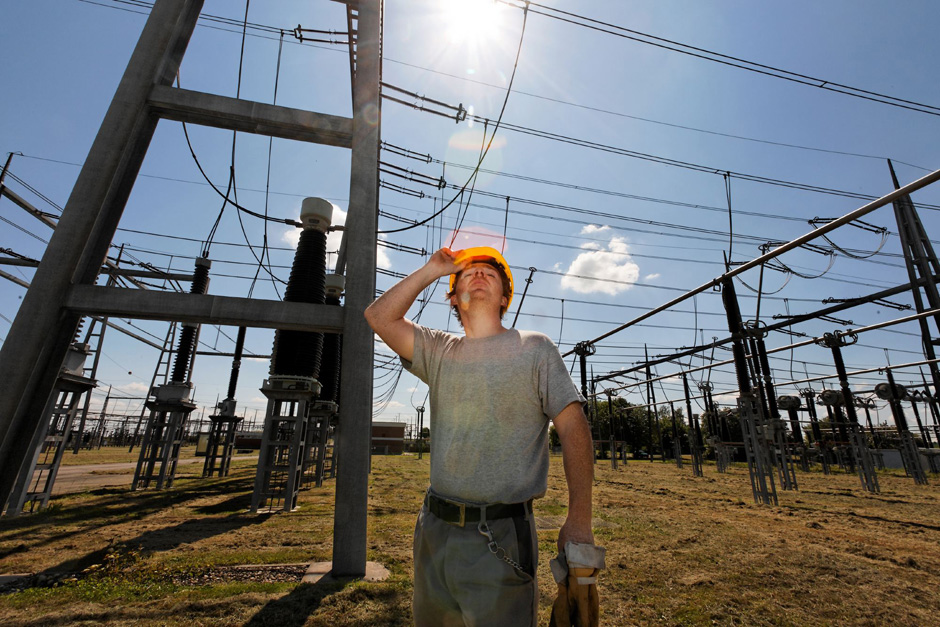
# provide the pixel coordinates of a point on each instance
(388, 438)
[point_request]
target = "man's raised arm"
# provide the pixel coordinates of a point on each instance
(386, 315)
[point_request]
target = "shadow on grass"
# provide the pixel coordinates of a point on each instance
(237, 503)
(381, 604)
(292, 610)
(118, 505)
(165, 538)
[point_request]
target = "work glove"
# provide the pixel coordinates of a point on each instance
(575, 571)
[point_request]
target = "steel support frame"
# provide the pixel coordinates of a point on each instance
(922, 266)
(220, 445)
(774, 427)
(864, 463)
(910, 456)
(283, 443)
(35, 480)
(750, 409)
(321, 420)
(159, 450)
(695, 431)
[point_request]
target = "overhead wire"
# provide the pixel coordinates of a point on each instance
(488, 144)
(272, 30)
(265, 251)
(519, 212)
(699, 260)
(716, 57)
(650, 120)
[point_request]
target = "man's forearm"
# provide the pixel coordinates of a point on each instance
(394, 303)
(577, 451)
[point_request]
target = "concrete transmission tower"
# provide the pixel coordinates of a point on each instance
(64, 287)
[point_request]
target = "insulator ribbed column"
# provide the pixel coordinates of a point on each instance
(298, 353)
(332, 344)
(236, 362)
(187, 341)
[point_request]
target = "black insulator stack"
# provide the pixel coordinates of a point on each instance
(330, 368)
(298, 353)
(187, 342)
(236, 363)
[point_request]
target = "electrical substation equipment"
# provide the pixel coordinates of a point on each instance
(293, 383)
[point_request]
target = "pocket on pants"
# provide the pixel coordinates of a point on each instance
(527, 547)
(515, 537)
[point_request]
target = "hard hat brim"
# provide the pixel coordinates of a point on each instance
(482, 253)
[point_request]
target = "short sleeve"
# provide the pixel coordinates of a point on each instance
(556, 389)
(427, 352)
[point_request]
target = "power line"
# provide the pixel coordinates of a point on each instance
(650, 120)
(485, 151)
(716, 57)
(688, 165)
(272, 30)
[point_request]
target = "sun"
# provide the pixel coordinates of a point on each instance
(472, 22)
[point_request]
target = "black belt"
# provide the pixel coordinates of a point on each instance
(457, 513)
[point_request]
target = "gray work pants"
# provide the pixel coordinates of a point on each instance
(458, 581)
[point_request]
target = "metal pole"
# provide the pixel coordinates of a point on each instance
(528, 281)
(610, 428)
(352, 449)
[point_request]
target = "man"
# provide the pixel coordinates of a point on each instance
(492, 393)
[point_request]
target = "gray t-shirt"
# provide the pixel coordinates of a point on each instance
(491, 400)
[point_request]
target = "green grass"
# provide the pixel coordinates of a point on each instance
(681, 550)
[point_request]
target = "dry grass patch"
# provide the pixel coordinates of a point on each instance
(681, 551)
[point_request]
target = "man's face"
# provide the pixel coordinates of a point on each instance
(479, 281)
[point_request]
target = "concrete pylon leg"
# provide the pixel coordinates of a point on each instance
(44, 328)
(354, 428)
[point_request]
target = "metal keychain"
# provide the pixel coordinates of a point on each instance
(495, 549)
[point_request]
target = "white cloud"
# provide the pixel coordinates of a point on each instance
(592, 229)
(650, 277)
(134, 389)
(291, 237)
(727, 399)
(612, 263)
(382, 259)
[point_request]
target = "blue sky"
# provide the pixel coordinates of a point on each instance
(64, 58)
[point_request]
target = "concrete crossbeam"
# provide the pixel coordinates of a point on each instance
(183, 105)
(204, 309)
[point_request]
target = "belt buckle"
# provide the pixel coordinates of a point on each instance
(463, 513)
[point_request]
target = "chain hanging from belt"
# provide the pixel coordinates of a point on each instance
(495, 549)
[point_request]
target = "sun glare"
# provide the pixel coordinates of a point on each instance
(472, 21)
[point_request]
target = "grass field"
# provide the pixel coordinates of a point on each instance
(681, 550)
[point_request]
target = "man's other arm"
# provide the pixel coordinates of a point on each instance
(386, 315)
(578, 452)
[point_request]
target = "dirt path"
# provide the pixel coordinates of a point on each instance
(72, 479)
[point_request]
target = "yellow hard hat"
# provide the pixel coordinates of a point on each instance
(482, 253)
